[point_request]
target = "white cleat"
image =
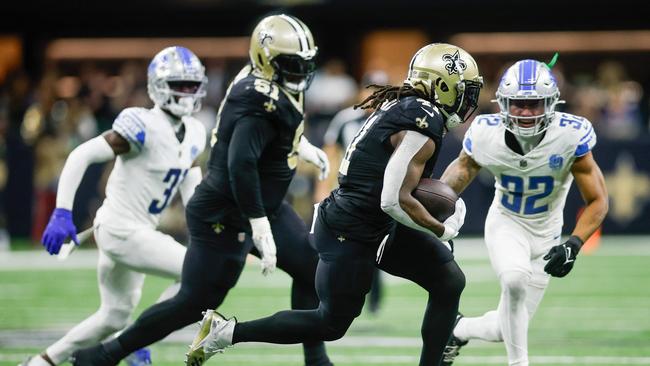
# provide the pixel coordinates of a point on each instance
(215, 335)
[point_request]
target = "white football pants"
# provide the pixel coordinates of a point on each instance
(122, 265)
(516, 257)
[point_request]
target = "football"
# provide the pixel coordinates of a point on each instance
(437, 197)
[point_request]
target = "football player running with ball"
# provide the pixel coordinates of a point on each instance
(534, 154)
(156, 150)
(372, 218)
(239, 206)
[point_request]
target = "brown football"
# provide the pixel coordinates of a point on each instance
(437, 197)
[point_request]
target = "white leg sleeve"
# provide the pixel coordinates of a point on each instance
(513, 316)
(509, 248)
(120, 291)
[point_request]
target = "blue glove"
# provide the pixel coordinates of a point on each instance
(59, 228)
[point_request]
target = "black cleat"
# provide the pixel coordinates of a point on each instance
(453, 346)
(93, 356)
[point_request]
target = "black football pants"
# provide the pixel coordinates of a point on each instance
(344, 277)
(212, 267)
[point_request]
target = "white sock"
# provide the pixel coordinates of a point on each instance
(484, 327)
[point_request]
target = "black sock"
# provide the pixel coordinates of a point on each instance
(114, 349)
(315, 354)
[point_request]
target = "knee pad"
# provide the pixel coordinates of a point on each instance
(513, 284)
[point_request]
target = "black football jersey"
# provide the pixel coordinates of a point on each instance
(353, 210)
(254, 99)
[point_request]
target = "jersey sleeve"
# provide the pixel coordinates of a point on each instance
(132, 128)
(467, 141)
(586, 138)
(420, 116)
(249, 139)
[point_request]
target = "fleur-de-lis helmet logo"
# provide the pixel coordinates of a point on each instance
(453, 62)
(265, 38)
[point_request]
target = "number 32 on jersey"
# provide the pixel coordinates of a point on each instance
(522, 195)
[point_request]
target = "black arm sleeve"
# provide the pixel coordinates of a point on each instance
(249, 138)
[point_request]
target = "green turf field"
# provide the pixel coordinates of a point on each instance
(598, 315)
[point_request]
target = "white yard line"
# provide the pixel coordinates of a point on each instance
(466, 249)
(392, 359)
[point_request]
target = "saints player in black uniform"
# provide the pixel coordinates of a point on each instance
(238, 207)
(372, 218)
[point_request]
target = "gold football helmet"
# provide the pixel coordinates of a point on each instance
(450, 76)
(282, 49)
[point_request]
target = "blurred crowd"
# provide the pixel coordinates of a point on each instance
(42, 120)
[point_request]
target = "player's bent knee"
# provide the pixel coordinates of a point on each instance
(454, 284)
(446, 286)
(115, 319)
(513, 284)
(333, 327)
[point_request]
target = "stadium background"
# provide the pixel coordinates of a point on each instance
(67, 69)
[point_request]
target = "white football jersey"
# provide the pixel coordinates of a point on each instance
(531, 188)
(145, 180)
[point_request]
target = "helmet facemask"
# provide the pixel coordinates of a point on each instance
(466, 103)
(181, 97)
(293, 72)
(527, 117)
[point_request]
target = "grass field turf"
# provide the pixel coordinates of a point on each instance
(599, 315)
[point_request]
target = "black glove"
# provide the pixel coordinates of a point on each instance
(561, 257)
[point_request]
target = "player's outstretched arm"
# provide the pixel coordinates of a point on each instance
(96, 150)
(591, 185)
(461, 172)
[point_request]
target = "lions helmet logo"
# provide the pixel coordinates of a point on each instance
(453, 62)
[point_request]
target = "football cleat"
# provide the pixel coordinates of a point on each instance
(453, 346)
(215, 335)
(141, 357)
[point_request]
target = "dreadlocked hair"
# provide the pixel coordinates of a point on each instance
(388, 92)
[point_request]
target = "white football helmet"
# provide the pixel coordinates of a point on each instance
(176, 81)
(530, 84)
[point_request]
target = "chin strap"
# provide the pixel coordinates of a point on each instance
(451, 120)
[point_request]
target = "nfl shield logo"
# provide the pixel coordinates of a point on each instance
(555, 162)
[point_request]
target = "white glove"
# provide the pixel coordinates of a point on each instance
(454, 222)
(311, 154)
(263, 240)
